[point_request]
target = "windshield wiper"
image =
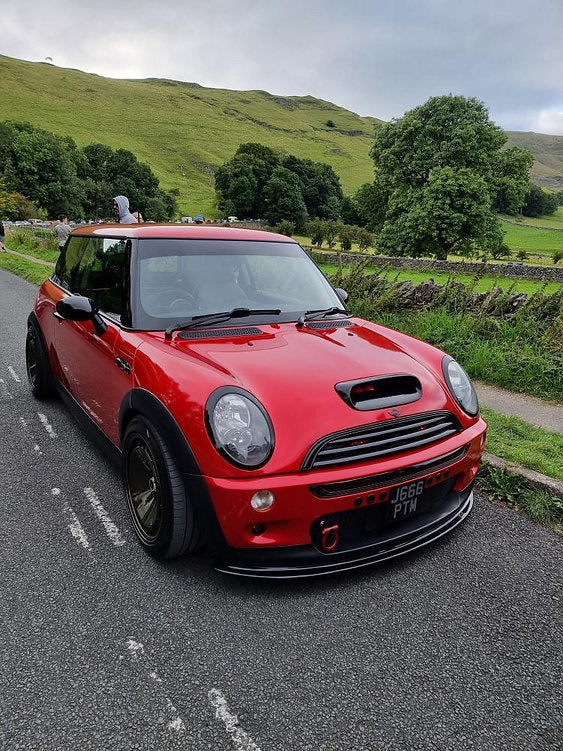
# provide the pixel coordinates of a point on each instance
(312, 315)
(226, 315)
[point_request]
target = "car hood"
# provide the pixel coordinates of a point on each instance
(293, 372)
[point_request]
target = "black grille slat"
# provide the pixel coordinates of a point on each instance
(218, 333)
(328, 324)
(386, 438)
(381, 480)
(376, 443)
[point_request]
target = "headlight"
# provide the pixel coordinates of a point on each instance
(460, 386)
(240, 427)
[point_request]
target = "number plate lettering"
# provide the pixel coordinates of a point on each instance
(404, 500)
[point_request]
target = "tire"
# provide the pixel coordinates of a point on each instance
(37, 365)
(162, 513)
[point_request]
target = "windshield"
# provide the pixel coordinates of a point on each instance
(177, 279)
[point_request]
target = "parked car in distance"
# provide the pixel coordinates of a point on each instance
(187, 220)
(232, 219)
(248, 407)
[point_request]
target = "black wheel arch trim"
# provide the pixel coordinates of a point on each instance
(141, 402)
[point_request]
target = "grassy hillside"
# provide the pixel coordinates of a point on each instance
(548, 155)
(183, 131)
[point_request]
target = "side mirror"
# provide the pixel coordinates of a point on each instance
(342, 294)
(78, 308)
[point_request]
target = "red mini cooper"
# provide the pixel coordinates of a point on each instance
(250, 409)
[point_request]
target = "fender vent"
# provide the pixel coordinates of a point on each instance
(218, 333)
(328, 324)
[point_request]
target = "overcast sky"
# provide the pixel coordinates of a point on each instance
(378, 58)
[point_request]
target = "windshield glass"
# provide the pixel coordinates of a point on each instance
(176, 279)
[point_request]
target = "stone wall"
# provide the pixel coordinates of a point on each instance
(512, 270)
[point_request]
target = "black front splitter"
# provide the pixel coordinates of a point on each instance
(305, 561)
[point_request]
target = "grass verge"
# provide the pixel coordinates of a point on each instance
(511, 490)
(33, 272)
(517, 441)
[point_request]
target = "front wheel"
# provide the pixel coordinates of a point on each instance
(37, 365)
(162, 513)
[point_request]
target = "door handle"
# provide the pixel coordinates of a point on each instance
(123, 364)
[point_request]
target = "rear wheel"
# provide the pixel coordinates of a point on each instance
(162, 513)
(37, 365)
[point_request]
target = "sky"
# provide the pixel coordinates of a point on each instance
(378, 58)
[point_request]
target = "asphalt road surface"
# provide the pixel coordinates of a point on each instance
(455, 647)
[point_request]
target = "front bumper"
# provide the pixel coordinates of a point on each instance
(306, 561)
(286, 541)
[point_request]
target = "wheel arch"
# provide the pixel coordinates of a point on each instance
(140, 402)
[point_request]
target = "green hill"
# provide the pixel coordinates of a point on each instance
(548, 155)
(184, 131)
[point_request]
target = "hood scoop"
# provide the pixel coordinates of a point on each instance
(328, 324)
(220, 333)
(380, 392)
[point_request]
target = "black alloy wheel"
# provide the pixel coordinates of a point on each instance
(162, 514)
(37, 365)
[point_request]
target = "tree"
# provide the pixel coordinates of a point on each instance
(363, 238)
(284, 199)
(538, 202)
(439, 170)
(316, 231)
(236, 186)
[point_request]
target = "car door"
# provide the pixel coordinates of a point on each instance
(95, 366)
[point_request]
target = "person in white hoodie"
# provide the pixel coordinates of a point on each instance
(121, 207)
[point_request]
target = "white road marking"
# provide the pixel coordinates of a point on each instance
(135, 648)
(137, 654)
(176, 723)
(4, 390)
(76, 529)
(14, 375)
(240, 738)
(109, 525)
(25, 426)
(46, 424)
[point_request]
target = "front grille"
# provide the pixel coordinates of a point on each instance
(385, 438)
(219, 333)
(383, 479)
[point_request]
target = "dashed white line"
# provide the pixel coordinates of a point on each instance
(4, 390)
(76, 529)
(14, 375)
(240, 738)
(109, 525)
(137, 652)
(47, 425)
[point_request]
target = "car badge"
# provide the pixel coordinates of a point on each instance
(395, 412)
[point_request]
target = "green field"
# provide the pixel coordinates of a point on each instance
(182, 130)
(533, 239)
(555, 221)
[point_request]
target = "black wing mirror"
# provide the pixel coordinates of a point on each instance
(78, 308)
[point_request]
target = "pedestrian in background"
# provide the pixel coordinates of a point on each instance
(62, 230)
(2, 234)
(121, 208)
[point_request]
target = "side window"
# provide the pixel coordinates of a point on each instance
(96, 267)
(69, 261)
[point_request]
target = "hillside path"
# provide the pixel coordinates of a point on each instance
(535, 411)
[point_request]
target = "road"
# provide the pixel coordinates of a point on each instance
(457, 647)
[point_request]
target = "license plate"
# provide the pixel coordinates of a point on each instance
(405, 501)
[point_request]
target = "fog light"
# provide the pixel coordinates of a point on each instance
(262, 500)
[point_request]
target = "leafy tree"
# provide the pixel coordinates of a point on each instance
(332, 230)
(538, 202)
(40, 165)
(363, 238)
(316, 231)
(557, 256)
(349, 212)
(346, 237)
(370, 201)
(330, 124)
(286, 228)
(439, 170)
(284, 199)
(236, 186)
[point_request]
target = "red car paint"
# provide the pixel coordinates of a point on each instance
(292, 369)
